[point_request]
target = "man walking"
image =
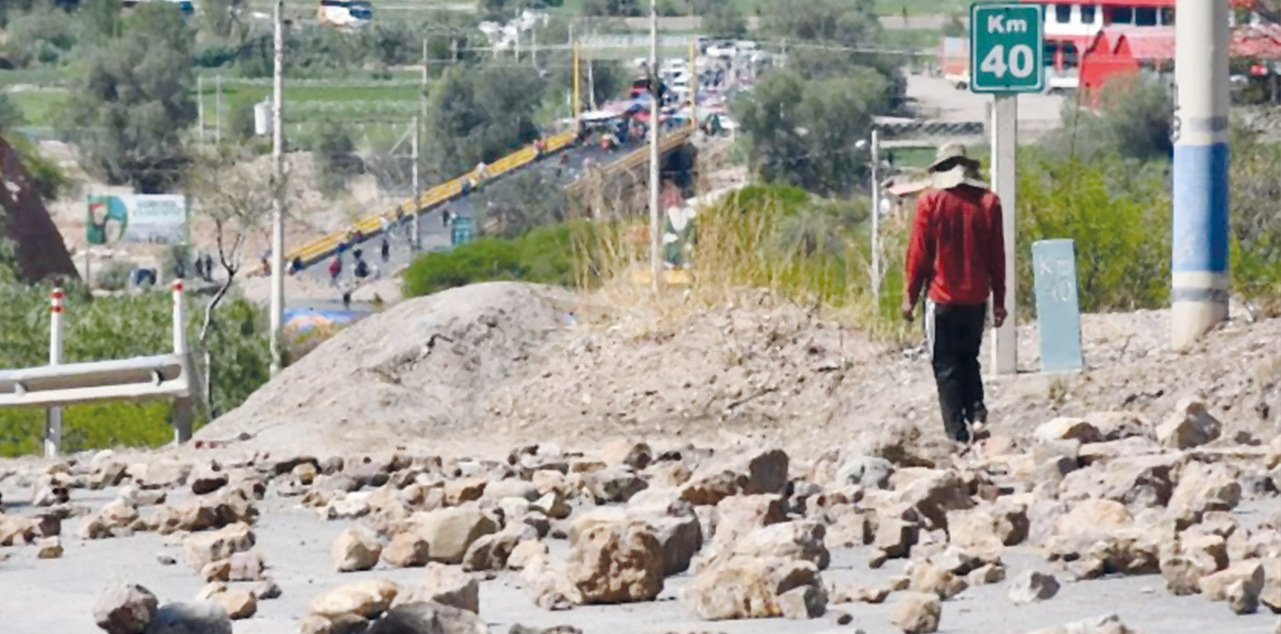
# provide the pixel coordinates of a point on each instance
(957, 255)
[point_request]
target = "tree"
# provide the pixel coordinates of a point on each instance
(723, 19)
(133, 102)
(806, 132)
(235, 196)
(480, 115)
(612, 8)
(335, 156)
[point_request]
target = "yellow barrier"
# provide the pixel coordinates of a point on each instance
(427, 200)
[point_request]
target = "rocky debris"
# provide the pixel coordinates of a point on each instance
(746, 472)
(267, 590)
(51, 489)
(164, 474)
(525, 552)
(855, 593)
(246, 566)
(616, 484)
(1067, 429)
(199, 617)
(1108, 624)
(932, 493)
(552, 504)
(109, 473)
(801, 539)
(49, 548)
(747, 588)
(229, 505)
(427, 618)
(636, 455)
(124, 609)
(866, 471)
(988, 527)
(451, 531)
(216, 571)
(1203, 488)
(617, 563)
(1191, 557)
(1032, 586)
(356, 548)
(1136, 481)
(407, 550)
(1120, 425)
(898, 529)
(928, 578)
(208, 479)
(447, 586)
(491, 552)
(986, 575)
(547, 581)
(200, 549)
(1240, 585)
(116, 519)
(366, 599)
(738, 515)
(1190, 425)
(238, 603)
(918, 613)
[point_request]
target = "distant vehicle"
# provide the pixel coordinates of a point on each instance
(954, 61)
(345, 13)
(185, 6)
(720, 49)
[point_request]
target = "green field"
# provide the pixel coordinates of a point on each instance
(39, 106)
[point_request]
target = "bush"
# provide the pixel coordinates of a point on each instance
(543, 255)
(113, 276)
(334, 152)
(43, 35)
(214, 54)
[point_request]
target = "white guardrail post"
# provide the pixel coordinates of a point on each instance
(182, 406)
(53, 416)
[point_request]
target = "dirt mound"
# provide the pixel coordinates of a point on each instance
(494, 365)
(413, 373)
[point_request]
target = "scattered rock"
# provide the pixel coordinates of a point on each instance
(117, 518)
(448, 586)
(428, 618)
(745, 588)
(207, 480)
(1033, 586)
(407, 550)
(524, 552)
(200, 549)
(49, 548)
(868, 471)
(1061, 429)
(930, 579)
(802, 539)
(450, 531)
(743, 473)
(216, 571)
(247, 566)
(1109, 624)
(200, 617)
(855, 593)
(1243, 597)
(1190, 425)
(617, 563)
(636, 455)
(357, 548)
(1203, 488)
(367, 599)
(918, 613)
(1248, 574)
(266, 590)
(239, 604)
(124, 609)
(988, 527)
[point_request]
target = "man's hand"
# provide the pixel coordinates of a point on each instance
(998, 316)
(906, 310)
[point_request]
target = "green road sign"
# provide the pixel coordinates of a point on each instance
(460, 230)
(1007, 48)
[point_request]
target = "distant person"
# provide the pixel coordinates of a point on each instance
(361, 270)
(385, 248)
(295, 266)
(538, 146)
(482, 171)
(346, 300)
(335, 269)
(209, 267)
(956, 254)
(444, 217)
(265, 258)
(200, 266)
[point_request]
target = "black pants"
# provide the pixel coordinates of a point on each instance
(953, 334)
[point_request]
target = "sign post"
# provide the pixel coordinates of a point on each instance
(1007, 49)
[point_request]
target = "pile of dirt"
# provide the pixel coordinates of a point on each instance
(505, 362)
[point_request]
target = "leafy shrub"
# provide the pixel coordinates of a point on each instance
(334, 152)
(43, 35)
(113, 276)
(543, 255)
(213, 54)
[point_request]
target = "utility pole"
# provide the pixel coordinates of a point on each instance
(200, 106)
(575, 55)
(876, 217)
(693, 86)
(277, 185)
(591, 82)
(422, 98)
(533, 44)
(218, 110)
(453, 49)
(1201, 106)
(418, 217)
(655, 228)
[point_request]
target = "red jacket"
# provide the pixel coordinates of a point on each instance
(957, 247)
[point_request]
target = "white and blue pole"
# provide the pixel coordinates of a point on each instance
(1200, 243)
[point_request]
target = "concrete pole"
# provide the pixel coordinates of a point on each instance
(179, 335)
(200, 107)
(1200, 242)
(1005, 118)
(277, 202)
(876, 216)
(182, 406)
(533, 45)
(655, 111)
(577, 55)
(413, 151)
(693, 87)
(422, 89)
(53, 417)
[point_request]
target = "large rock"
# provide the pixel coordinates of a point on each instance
(207, 480)
(679, 538)
(366, 598)
(1061, 429)
(450, 531)
(116, 518)
(1190, 558)
(356, 548)
(988, 527)
(124, 609)
(203, 548)
(615, 484)
(741, 514)
(933, 493)
(867, 471)
(1031, 587)
(898, 529)
(743, 473)
(1250, 574)
(1121, 425)
(636, 455)
(16, 530)
(929, 578)
(1190, 425)
(1108, 624)
(1203, 488)
(1135, 481)
(918, 613)
(238, 603)
(426, 617)
(802, 539)
(749, 588)
(199, 617)
(617, 563)
(407, 549)
(446, 585)
(491, 552)
(547, 581)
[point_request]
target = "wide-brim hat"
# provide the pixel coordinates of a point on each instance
(953, 168)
